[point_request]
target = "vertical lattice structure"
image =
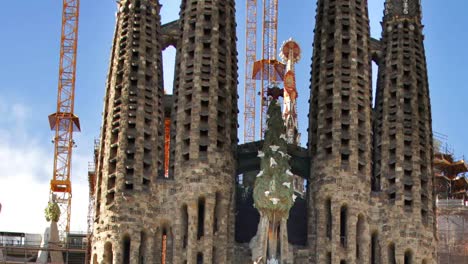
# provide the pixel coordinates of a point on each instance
(269, 52)
(250, 83)
(131, 150)
(340, 133)
(64, 122)
(205, 131)
(403, 135)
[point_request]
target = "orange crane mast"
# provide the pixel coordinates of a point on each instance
(64, 122)
(250, 83)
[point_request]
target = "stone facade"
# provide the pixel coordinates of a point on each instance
(369, 170)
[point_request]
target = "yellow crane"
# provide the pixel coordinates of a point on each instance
(64, 122)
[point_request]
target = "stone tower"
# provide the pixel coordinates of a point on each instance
(130, 153)
(204, 129)
(403, 137)
(340, 133)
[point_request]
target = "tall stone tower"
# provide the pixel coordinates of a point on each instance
(403, 137)
(205, 132)
(131, 138)
(340, 133)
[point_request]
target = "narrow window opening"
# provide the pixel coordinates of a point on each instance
(329, 218)
(142, 252)
(200, 258)
(374, 248)
(408, 257)
(201, 218)
(146, 181)
(128, 186)
(108, 253)
(217, 213)
(185, 225)
(391, 254)
(408, 204)
(343, 227)
(203, 148)
(126, 250)
(111, 183)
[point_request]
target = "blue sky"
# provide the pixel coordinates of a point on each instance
(29, 53)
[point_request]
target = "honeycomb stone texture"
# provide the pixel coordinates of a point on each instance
(369, 196)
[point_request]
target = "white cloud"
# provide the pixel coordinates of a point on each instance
(25, 171)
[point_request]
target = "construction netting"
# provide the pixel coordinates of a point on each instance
(452, 221)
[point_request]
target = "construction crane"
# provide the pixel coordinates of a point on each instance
(268, 70)
(250, 83)
(64, 122)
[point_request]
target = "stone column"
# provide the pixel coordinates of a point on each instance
(135, 249)
(117, 253)
(169, 246)
(208, 242)
(286, 253)
(149, 248)
(157, 245)
(192, 243)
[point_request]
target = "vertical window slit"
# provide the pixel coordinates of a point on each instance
(126, 250)
(329, 218)
(343, 227)
(201, 218)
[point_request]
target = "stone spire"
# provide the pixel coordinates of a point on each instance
(402, 8)
(339, 128)
(130, 152)
(204, 129)
(403, 131)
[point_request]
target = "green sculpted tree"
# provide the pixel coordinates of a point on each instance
(273, 192)
(52, 212)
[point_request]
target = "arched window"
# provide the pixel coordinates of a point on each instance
(408, 257)
(108, 253)
(126, 249)
(143, 245)
(391, 254)
(200, 258)
(375, 255)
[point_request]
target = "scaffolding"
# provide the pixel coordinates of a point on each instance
(451, 186)
(452, 221)
(18, 247)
